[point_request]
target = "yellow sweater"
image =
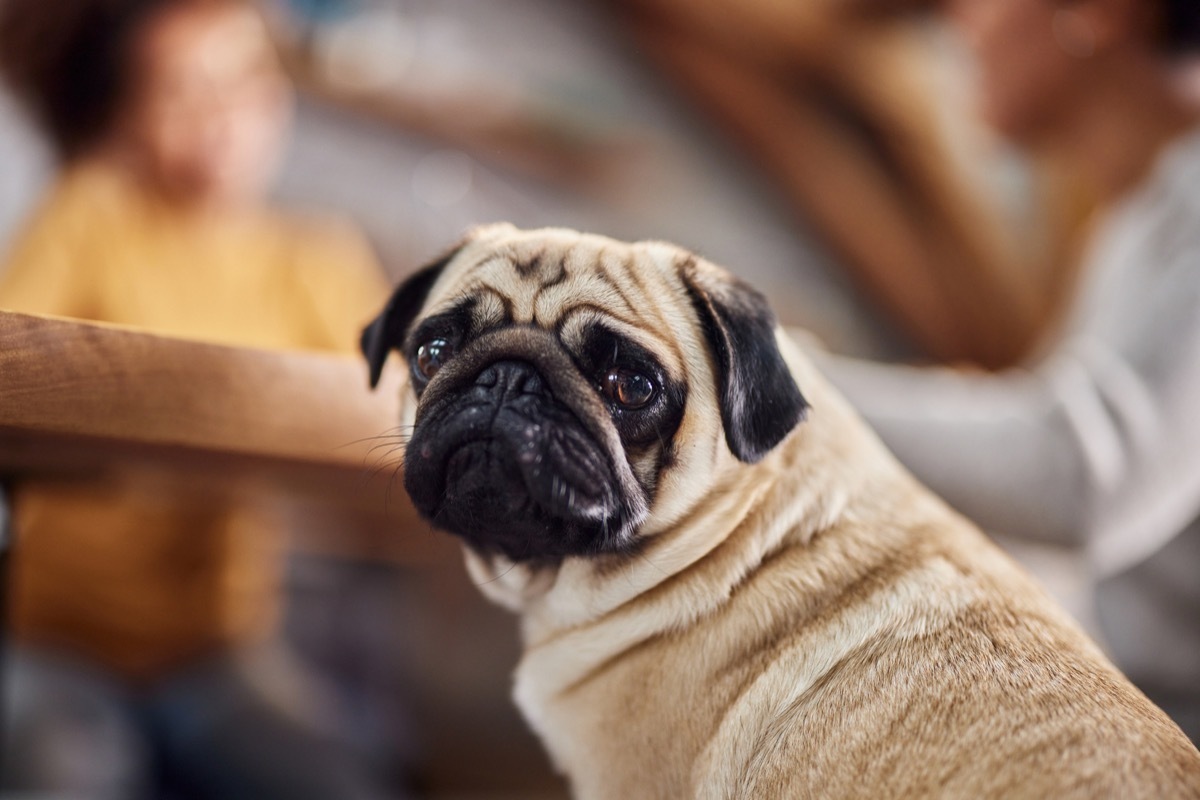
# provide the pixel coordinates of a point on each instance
(133, 570)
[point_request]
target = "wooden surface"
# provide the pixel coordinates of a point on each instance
(79, 398)
(71, 379)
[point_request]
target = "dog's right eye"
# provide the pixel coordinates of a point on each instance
(432, 356)
(627, 388)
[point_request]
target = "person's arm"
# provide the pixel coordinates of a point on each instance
(41, 275)
(1104, 429)
(52, 264)
(1001, 448)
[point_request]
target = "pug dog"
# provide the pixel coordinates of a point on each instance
(728, 587)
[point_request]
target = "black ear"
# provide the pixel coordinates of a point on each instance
(388, 330)
(760, 402)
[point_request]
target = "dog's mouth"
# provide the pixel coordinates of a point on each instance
(509, 468)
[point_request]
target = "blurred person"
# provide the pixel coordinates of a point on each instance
(1097, 442)
(145, 612)
(1189, 78)
(852, 117)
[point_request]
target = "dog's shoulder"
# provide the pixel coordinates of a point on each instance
(934, 668)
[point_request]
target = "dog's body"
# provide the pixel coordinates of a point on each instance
(752, 611)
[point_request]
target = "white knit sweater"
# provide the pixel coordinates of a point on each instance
(1097, 443)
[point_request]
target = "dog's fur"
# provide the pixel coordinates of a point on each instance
(772, 608)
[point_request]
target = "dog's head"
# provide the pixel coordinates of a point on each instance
(570, 389)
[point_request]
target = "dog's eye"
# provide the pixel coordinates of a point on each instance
(432, 356)
(628, 388)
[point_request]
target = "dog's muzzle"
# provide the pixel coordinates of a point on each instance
(502, 461)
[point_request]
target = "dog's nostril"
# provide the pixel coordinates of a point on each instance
(533, 384)
(515, 377)
(488, 378)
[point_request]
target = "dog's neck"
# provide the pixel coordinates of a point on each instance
(751, 512)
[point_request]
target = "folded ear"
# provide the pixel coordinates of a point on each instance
(760, 402)
(388, 330)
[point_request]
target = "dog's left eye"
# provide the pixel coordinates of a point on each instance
(432, 356)
(628, 388)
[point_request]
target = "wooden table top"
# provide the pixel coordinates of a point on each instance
(77, 398)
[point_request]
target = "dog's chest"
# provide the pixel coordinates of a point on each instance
(635, 726)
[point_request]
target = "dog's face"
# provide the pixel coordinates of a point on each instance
(571, 390)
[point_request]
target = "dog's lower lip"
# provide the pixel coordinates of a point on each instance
(518, 478)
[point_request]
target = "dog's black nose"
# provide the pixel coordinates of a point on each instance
(513, 378)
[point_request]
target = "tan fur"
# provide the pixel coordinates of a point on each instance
(814, 625)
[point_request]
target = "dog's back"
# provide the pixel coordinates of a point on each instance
(893, 653)
(936, 671)
(881, 659)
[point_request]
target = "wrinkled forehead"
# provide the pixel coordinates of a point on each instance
(565, 282)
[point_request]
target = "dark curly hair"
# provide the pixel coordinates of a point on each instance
(1181, 25)
(69, 62)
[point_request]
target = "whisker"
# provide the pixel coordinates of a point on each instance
(399, 430)
(656, 567)
(511, 567)
(495, 578)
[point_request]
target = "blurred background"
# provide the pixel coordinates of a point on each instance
(420, 119)
(832, 154)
